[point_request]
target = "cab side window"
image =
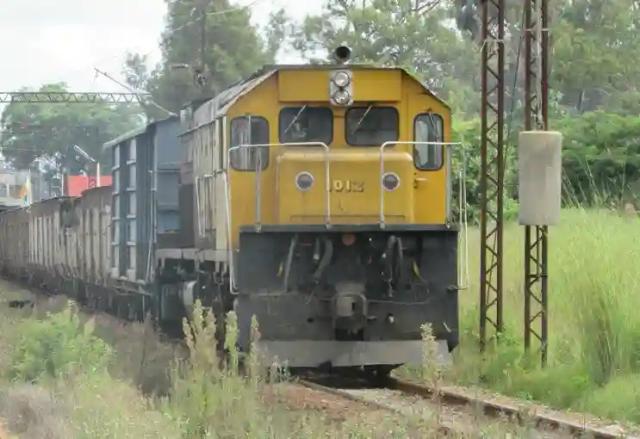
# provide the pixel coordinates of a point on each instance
(428, 127)
(247, 131)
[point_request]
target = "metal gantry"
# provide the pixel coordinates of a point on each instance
(536, 118)
(492, 169)
(55, 97)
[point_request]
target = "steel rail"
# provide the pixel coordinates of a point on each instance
(453, 396)
(373, 404)
(457, 396)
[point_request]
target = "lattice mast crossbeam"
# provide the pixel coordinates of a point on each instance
(24, 97)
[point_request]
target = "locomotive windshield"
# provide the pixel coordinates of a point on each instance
(306, 124)
(371, 126)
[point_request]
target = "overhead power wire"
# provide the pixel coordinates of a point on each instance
(137, 92)
(217, 13)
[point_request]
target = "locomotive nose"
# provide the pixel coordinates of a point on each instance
(349, 186)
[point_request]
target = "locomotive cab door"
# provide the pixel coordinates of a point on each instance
(431, 170)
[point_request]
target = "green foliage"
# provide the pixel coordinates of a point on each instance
(33, 130)
(205, 399)
(56, 347)
(431, 370)
(600, 157)
(595, 43)
(402, 33)
(466, 165)
(233, 49)
(140, 354)
(618, 399)
(103, 407)
(595, 334)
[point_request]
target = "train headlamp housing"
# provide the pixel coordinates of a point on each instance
(342, 97)
(390, 181)
(304, 181)
(341, 78)
(341, 88)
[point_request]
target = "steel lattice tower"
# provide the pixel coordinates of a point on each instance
(492, 169)
(536, 118)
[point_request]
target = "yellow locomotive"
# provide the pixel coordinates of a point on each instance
(315, 198)
(321, 205)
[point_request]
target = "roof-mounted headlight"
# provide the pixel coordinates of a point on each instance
(342, 97)
(341, 88)
(341, 78)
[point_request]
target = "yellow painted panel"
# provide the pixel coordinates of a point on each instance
(430, 188)
(313, 85)
(355, 187)
(421, 198)
(377, 85)
(303, 85)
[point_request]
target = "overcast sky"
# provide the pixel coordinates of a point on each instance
(44, 41)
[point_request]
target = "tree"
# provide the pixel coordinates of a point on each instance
(407, 33)
(596, 46)
(601, 156)
(206, 46)
(50, 130)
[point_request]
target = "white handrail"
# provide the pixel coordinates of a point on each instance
(326, 151)
(227, 192)
(258, 200)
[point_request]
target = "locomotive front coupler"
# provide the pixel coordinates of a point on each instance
(350, 308)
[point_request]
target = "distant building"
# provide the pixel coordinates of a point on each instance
(75, 185)
(15, 189)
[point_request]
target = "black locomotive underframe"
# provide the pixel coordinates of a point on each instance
(396, 279)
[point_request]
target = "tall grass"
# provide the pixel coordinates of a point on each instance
(594, 320)
(62, 380)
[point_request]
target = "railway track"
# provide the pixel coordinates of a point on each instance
(464, 412)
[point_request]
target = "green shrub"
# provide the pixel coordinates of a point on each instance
(103, 407)
(593, 325)
(619, 399)
(207, 400)
(56, 347)
(140, 354)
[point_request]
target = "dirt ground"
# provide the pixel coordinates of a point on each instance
(334, 407)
